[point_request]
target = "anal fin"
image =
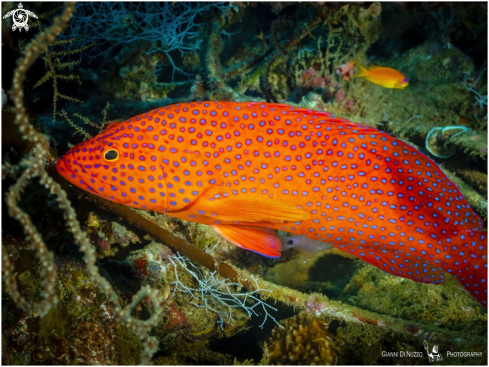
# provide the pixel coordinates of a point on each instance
(263, 241)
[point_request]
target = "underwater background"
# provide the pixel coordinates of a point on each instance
(100, 283)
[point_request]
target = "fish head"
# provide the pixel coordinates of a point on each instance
(402, 83)
(119, 165)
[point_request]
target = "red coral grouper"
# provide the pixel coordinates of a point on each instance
(248, 169)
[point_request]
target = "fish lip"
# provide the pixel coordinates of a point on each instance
(63, 169)
(68, 173)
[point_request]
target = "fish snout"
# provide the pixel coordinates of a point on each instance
(403, 83)
(86, 178)
(63, 168)
(69, 168)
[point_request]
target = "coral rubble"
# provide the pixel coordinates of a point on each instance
(50, 346)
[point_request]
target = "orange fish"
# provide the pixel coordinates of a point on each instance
(386, 77)
(249, 169)
(346, 70)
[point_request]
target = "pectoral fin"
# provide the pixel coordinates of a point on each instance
(263, 241)
(254, 210)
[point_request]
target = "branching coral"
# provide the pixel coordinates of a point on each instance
(168, 27)
(217, 294)
(52, 60)
(34, 168)
(480, 99)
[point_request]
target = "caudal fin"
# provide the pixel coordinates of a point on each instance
(363, 71)
(472, 274)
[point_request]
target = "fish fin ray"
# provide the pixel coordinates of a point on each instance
(253, 210)
(263, 241)
(363, 70)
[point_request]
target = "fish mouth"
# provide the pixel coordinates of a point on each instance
(65, 171)
(70, 175)
(105, 190)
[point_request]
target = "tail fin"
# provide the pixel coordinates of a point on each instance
(473, 272)
(363, 71)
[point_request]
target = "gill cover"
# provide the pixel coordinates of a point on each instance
(187, 175)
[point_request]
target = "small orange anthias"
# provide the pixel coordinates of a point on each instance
(381, 75)
(249, 169)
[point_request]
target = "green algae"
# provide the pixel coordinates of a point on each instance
(446, 305)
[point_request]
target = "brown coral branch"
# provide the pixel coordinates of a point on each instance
(275, 24)
(52, 63)
(267, 87)
(34, 167)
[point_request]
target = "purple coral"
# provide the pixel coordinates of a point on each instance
(350, 105)
(123, 236)
(313, 306)
(309, 78)
(103, 244)
(340, 95)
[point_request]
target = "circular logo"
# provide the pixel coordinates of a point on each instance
(20, 17)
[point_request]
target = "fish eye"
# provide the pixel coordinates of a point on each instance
(406, 80)
(111, 155)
